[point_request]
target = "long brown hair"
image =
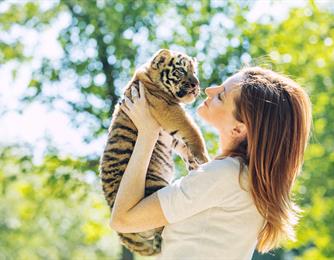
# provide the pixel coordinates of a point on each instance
(277, 114)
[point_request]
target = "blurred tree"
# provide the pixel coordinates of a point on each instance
(45, 210)
(28, 15)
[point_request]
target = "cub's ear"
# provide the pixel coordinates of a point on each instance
(159, 58)
(194, 60)
(195, 64)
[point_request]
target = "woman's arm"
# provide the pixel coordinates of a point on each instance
(132, 212)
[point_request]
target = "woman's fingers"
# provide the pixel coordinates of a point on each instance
(137, 99)
(127, 102)
(134, 92)
(141, 90)
(124, 108)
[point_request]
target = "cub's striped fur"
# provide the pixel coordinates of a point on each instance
(169, 79)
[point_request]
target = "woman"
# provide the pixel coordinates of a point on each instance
(241, 199)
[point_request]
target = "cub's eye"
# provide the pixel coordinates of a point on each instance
(180, 72)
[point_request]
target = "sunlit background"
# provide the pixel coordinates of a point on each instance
(63, 66)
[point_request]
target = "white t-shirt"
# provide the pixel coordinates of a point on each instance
(210, 216)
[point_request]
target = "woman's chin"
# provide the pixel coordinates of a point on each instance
(201, 113)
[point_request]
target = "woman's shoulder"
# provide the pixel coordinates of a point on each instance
(228, 169)
(228, 164)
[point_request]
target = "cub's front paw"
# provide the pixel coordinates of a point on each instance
(201, 158)
(200, 155)
(192, 163)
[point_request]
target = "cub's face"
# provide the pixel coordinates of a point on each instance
(174, 73)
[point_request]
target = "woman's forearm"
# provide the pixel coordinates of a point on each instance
(132, 186)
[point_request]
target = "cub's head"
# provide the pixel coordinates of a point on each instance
(175, 74)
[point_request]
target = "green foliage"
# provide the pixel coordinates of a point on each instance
(45, 210)
(18, 15)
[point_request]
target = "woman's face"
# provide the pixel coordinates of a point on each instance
(217, 110)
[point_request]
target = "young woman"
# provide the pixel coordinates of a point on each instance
(241, 199)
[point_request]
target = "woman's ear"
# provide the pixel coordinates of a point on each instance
(239, 130)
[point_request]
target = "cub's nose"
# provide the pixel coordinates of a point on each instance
(194, 82)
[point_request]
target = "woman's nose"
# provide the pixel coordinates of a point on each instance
(211, 91)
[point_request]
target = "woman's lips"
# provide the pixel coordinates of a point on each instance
(205, 103)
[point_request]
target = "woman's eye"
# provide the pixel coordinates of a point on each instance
(219, 96)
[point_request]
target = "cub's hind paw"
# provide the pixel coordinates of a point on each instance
(157, 242)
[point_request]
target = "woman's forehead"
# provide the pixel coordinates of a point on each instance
(231, 83)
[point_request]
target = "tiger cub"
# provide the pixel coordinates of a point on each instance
(169, 79)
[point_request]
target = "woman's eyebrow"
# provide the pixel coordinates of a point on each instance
(221, 93)
(223, 90)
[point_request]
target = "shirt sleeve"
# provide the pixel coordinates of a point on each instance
(203, 188)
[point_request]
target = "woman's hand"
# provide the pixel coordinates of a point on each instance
(139, 113)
